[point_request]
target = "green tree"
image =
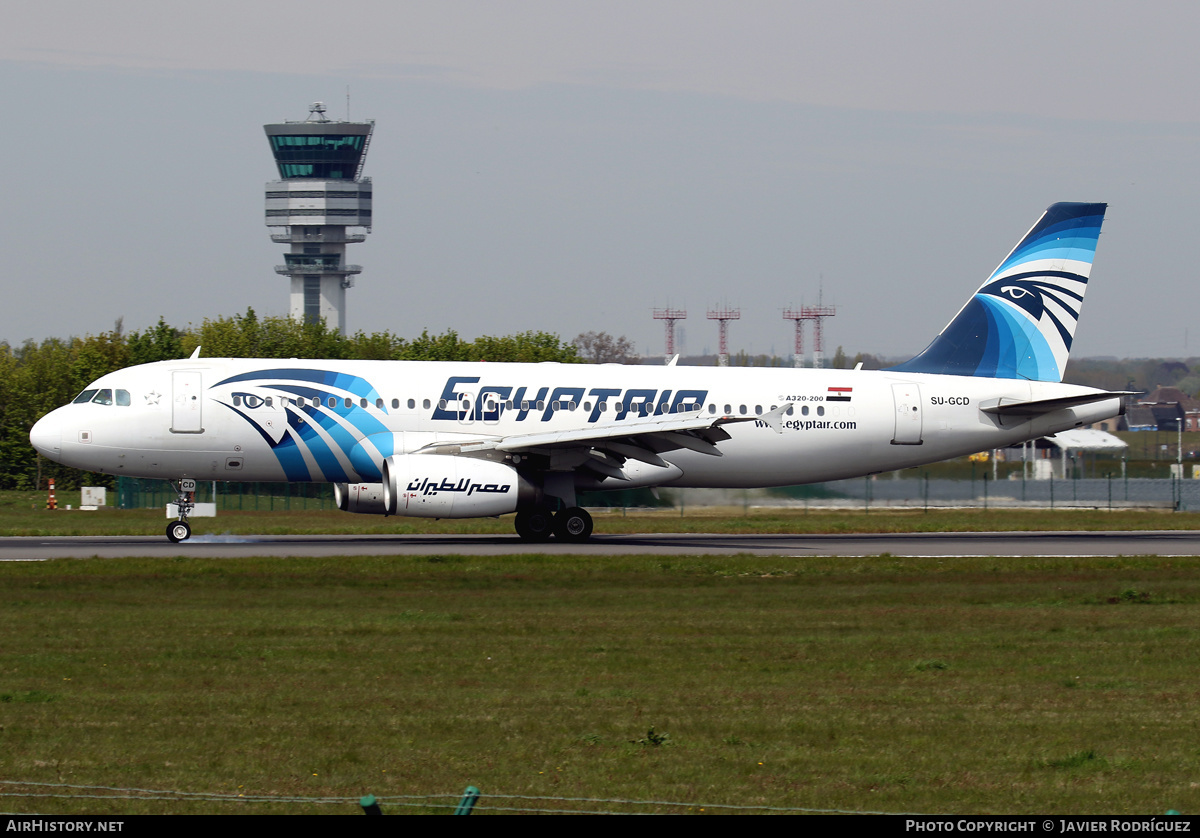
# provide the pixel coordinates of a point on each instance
(377, 346)
(524, 347)
(443, 347)
(248, 336)
(160, 343)
(603, 348)
(97, 355)
(34, 380)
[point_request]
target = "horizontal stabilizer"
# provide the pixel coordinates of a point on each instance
(1041, 406)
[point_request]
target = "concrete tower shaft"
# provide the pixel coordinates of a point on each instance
(320, 195)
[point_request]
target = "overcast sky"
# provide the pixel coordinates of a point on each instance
(568, 166)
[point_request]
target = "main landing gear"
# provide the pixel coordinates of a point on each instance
(185, 495)
(538, 523)
(573, 524)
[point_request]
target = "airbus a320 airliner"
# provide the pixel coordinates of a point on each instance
(464, 440)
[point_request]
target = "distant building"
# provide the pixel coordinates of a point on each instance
(1139, 418)
(1163, 410)
(321, 194)
(1057, 456)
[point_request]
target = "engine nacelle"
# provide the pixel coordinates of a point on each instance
(364, 498)
(445, 486)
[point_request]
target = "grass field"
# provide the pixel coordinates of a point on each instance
(880, 684)
(24, 514)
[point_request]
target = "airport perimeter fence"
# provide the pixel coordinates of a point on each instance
(880, 491)
(133, 493)
(1108, 492)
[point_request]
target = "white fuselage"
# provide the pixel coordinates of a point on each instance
(321, 421)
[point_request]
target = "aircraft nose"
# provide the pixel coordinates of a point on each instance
(46, 435)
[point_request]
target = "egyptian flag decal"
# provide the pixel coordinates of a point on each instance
(839, 394)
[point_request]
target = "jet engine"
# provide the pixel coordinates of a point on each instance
(364, 498)
(446, 486)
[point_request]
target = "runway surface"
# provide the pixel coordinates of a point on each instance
(1064, 544)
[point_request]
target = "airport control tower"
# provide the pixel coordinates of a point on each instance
(322, 194)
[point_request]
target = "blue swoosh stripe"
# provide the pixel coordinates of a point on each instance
(320, 451)
(343, 381)
(363, 422)
(1020, 340)
(292, 460)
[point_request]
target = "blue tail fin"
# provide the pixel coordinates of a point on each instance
(1021, 322)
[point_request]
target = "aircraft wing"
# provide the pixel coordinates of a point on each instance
(605, 448)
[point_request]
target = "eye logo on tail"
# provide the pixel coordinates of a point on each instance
(1049, 299)
(1021, 322)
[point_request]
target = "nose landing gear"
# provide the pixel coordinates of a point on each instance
(185, 494)
(178, 531)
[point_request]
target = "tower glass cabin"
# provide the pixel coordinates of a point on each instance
(320, 196)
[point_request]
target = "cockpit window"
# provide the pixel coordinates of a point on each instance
(103, 397)
(122, 398)
(84, 397)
